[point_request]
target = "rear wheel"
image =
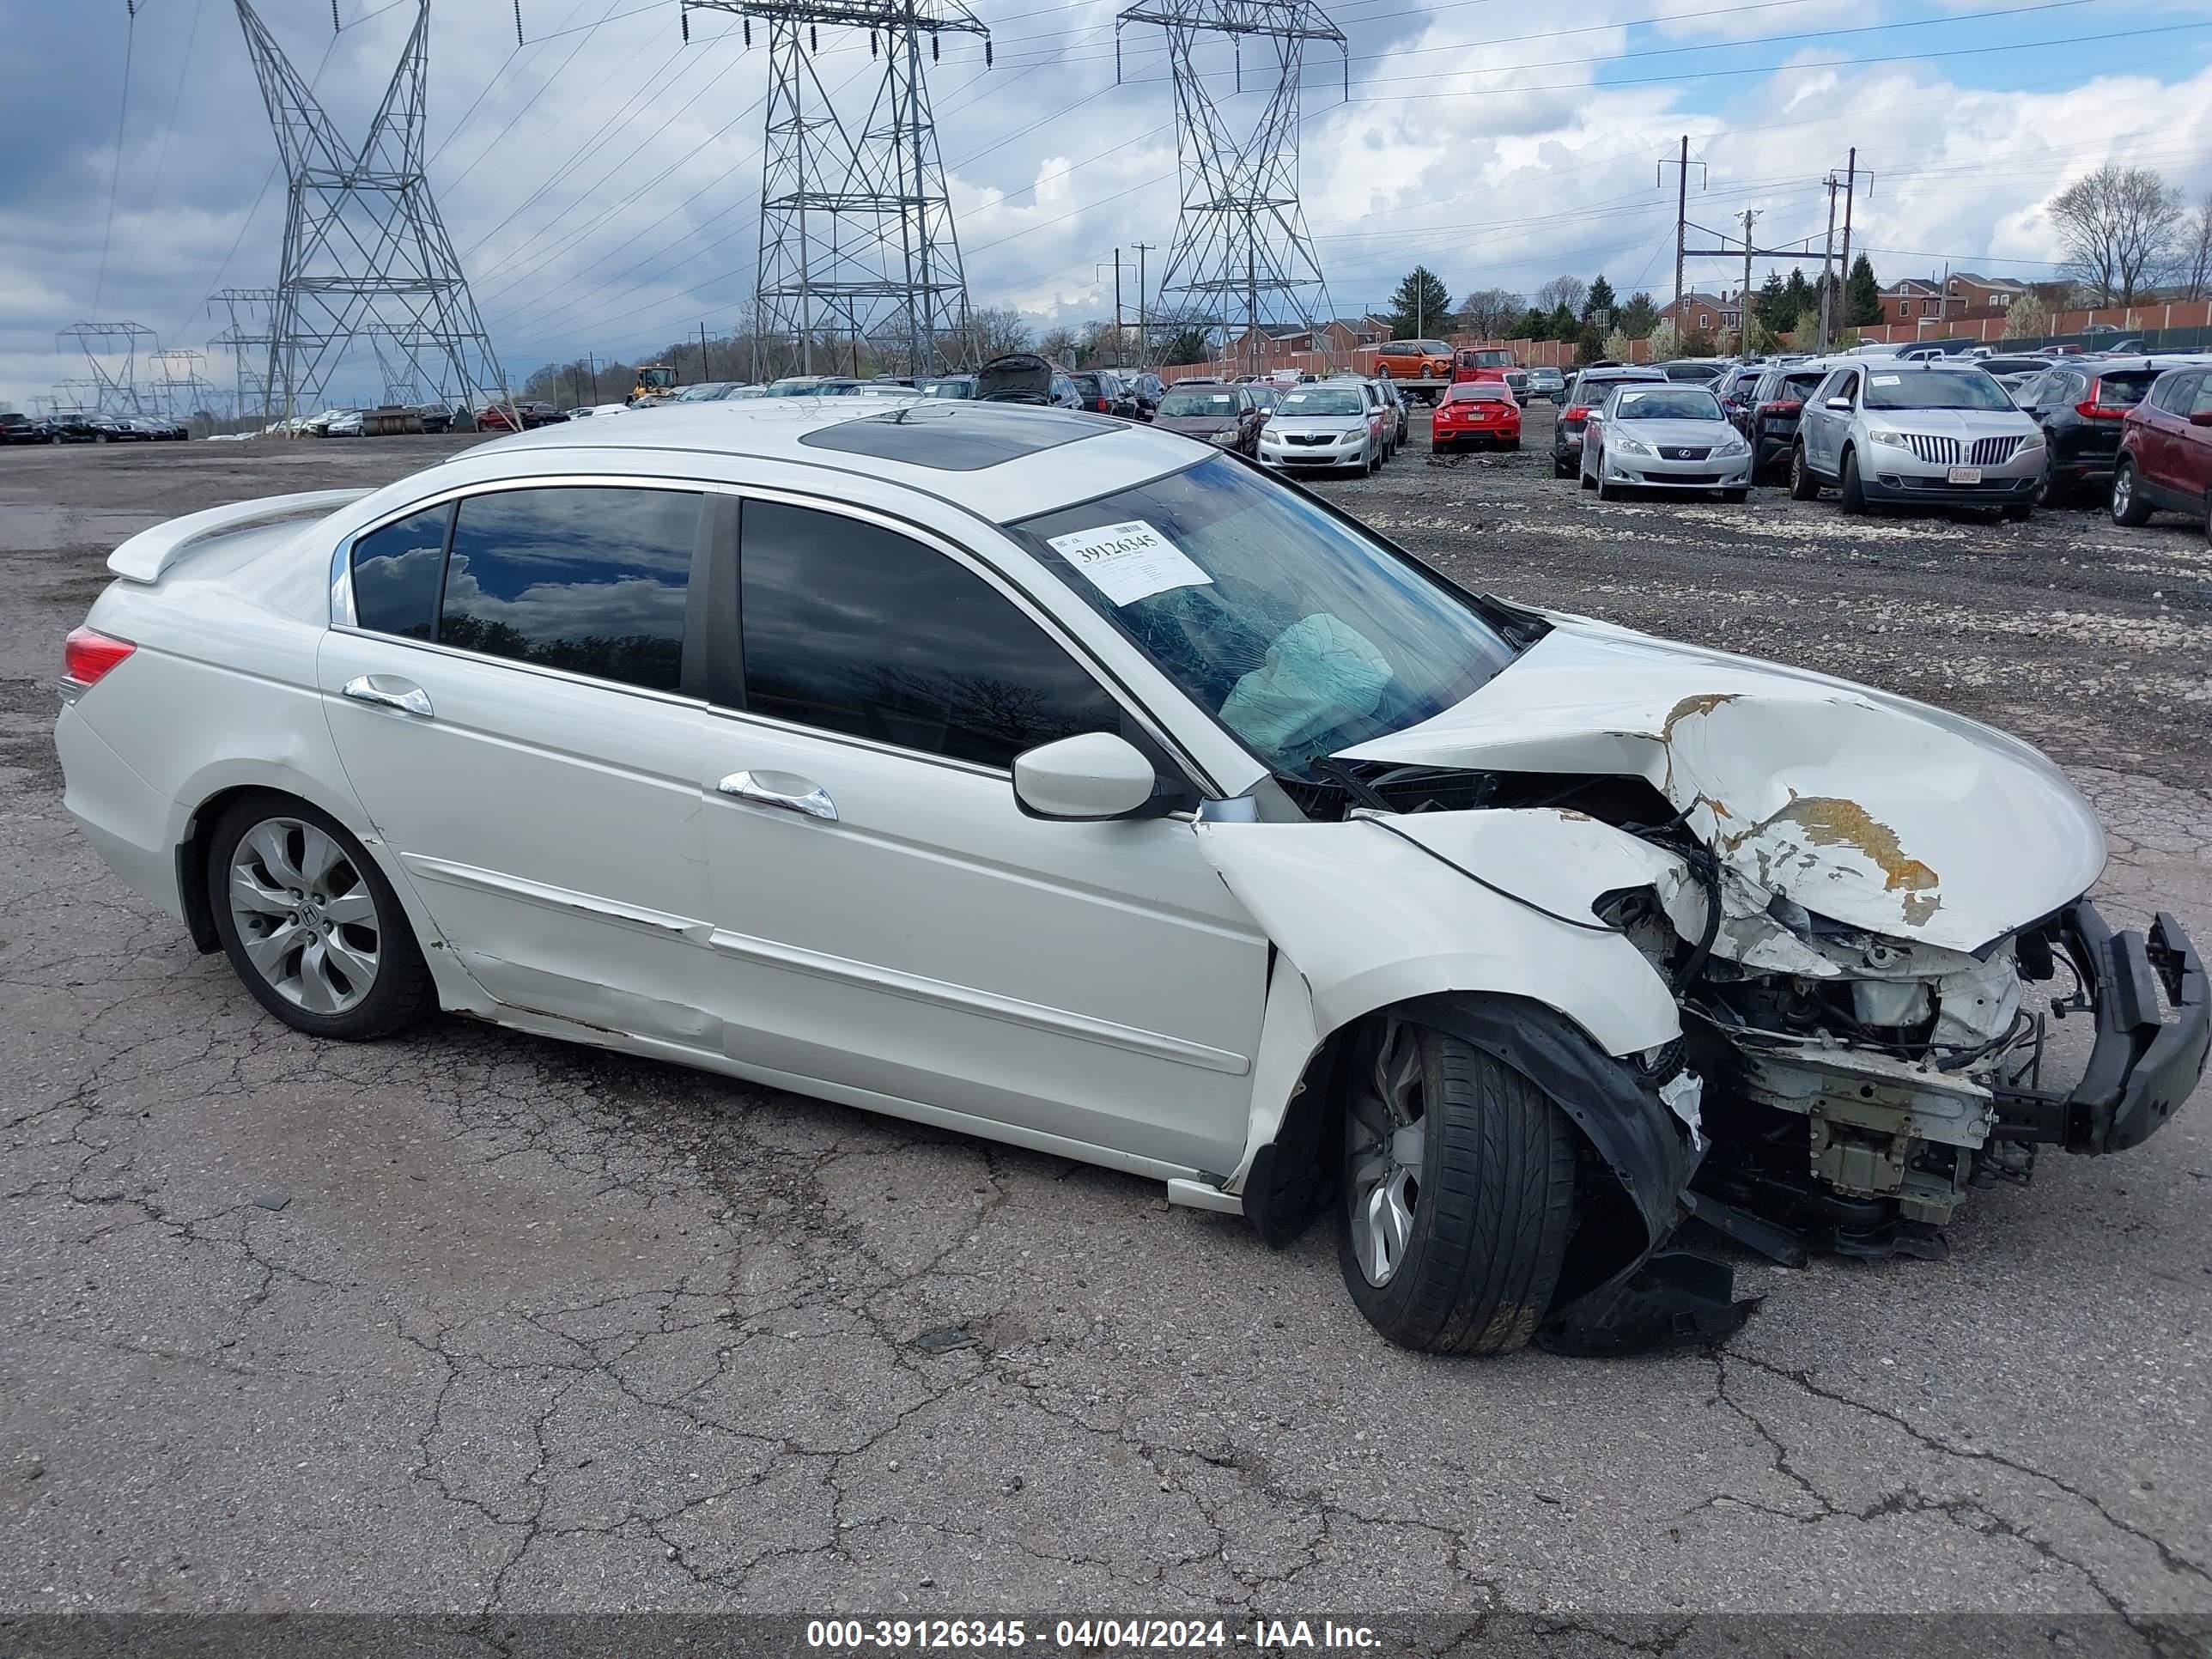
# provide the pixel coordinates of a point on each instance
(310, 923)
(1803, 486)
(2129, 507)
(1562, 469)
(1853, 494)
(1459, 1180)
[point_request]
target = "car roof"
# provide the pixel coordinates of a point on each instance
(1117, 455)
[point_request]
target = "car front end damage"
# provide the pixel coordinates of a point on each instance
(1871, 916)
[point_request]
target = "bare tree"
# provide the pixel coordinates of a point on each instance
(2194, 269)
(1060, 346)
(2119, 226)
(997, 329)
(1492, 312)
(1568, 291)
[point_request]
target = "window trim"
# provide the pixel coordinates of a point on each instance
(725, 638)
(346, 618)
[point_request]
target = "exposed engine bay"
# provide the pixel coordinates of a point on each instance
(1856, 1085)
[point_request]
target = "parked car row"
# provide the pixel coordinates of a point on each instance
(79, 427)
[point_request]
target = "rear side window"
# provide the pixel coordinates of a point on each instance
(2123, 391)
(591, 581)
(2171, 393)
(850, 628)
(397, 572)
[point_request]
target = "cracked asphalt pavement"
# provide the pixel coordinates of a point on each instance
(473, 1322)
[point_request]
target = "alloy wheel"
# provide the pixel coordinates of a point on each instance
(1384, 1136)
(306, 919)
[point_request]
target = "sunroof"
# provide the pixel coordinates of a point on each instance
(959, 437)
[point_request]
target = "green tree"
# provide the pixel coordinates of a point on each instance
(1771, 306)
(1186, 345)
(1696, 344)
(1589, 344)
(1422, 306)
(1638, 317)
(1797, 296)
(1536, 326)
(1565, 324)
(1601, 297)
(1862, 295)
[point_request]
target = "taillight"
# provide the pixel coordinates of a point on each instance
(1786, 406)
(2096, 411)
(87, 654)
(1579, 413)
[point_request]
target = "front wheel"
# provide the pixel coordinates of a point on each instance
(1734, 497)
(1853, 493)
(2129, 508)
(1459, 1183)
(310, 923)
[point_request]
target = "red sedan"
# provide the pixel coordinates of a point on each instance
(1480, 412)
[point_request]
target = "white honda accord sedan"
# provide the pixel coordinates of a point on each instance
(1046, 777)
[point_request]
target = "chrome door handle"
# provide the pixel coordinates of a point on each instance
(784, 791)
(390, 691)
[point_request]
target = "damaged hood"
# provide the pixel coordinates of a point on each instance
(1877, 812)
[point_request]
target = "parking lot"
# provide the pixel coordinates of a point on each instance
(470, 1322)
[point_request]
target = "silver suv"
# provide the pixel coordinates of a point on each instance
(1936, 433)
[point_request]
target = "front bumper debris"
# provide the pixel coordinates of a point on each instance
(2143, 1065)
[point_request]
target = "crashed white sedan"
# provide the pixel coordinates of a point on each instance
(1045, 777)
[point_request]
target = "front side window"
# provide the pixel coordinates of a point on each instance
(589, 579)
(397, 573)
(850, 628)
(1296, 630)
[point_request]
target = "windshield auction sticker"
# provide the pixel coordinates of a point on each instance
(1129, 562)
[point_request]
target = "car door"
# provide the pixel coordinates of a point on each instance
(2192, 444)
(510, 688)
(1824, 426)
(885, 917)
(2157, 445)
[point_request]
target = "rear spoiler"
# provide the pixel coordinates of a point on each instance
(150, 552)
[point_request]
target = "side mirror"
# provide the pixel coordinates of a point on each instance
(2202, 417)
(1841, 405)
(1092, 777)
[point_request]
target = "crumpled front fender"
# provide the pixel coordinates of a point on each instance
(1372, 920)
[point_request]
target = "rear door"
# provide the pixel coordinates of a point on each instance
(2158, 447)
(2193, 450)
(520, 720)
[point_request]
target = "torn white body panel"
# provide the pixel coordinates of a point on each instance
(1372, 920)
(1878, 812)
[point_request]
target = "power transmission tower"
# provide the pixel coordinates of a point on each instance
(190, 390)
(115, 390)
(1241, 244)
(247, 337)
(364, 247)
(856, 228)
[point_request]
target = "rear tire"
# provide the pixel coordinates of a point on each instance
(354, 954)
(1561, 469)
(1512, 443)
(1803, 485)
(2129, 507)
(1459, 1184)
(1854, 495)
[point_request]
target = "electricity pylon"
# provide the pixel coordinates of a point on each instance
(113, 392)
(1241, 249)
(190, 390)
(856, 230)
(248, 340)
(364, 247)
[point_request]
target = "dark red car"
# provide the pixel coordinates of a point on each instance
(493, 417)
(1479, 412)
(2166, 450)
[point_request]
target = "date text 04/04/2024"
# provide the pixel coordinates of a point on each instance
(1090, 1635)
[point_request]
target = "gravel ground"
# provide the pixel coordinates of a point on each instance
(477, 1323)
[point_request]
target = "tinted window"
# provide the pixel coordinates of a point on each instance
(2125, 390)
(396, 573)
(2203, 400)
(854, 629)
(590, 581)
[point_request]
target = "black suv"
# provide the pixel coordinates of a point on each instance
(2080, 407)
(16, 428)
(1767, 414)
(1104, 392)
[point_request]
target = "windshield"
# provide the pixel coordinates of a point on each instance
(1222, 403)
(961, 388)
(1935, 389)
(1302, 634)
(1479, 392)
(1669, 403)
(1324, 400)
(700, 394)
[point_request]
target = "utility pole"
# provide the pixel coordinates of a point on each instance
(1681, 215)
(1827, 252)
(1743, 328)
(1850, 188)
(592, 358)
(706, 372)
(1143, 333)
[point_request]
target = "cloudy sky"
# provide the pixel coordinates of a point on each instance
(602, 181)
